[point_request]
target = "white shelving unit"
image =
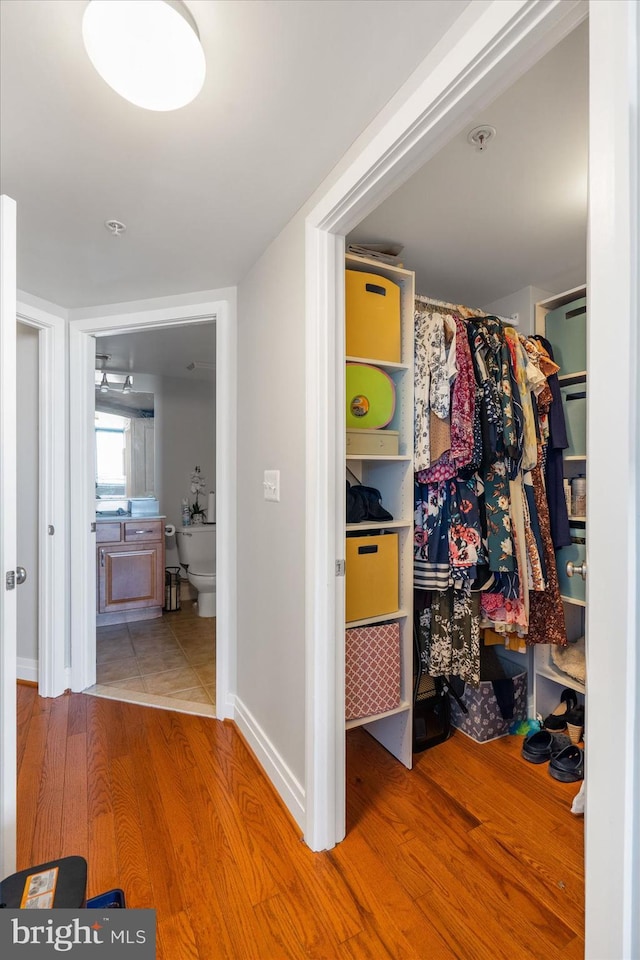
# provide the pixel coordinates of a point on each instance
(393, 477)
(548, 679)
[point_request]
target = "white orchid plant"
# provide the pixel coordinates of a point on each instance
(197, 487)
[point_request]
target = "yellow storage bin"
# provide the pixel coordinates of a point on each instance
(371, 576)
(372, 316)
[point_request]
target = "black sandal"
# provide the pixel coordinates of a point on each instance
(557, 719)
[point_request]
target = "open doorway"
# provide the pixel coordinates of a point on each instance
(219, 423)
(154, 428)
(611, 923)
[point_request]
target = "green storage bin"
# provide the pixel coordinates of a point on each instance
(572, 588)
(566, 330)
(574, 402)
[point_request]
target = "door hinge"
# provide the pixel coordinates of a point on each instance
(10, 580)
(51, 529)
(93, 527)
(339, 568)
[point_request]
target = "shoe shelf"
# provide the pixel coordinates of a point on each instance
(545, 667)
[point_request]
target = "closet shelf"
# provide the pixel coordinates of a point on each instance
(552, 672)
(566, 379)
(383, 364)
(360, 721)
(381, 618)
(399, 458)
(577, 519)
(378, 525)
(573, 600)
(577, 456)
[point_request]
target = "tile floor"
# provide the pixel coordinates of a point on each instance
(169, 662)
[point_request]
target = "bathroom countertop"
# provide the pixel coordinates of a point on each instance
(127, 516)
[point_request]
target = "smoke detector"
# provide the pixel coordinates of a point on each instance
(479, 137)
(115, 226)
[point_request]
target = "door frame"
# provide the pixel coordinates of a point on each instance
(152, 315)
(53, 548)
(8, 537)
(469, 71)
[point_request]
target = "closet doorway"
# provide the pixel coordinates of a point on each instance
(610, 925)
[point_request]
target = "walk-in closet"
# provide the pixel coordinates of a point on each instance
(465, 506)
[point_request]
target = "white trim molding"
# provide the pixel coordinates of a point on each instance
(53, 534)
(149, 315)
(289, 788)
(612, 838)
(27, 669)
(506, 39)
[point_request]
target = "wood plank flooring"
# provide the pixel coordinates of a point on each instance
(473, 855)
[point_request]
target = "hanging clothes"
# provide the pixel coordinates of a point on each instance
(487, 431)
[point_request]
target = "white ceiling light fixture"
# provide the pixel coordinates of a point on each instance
(148, 51)
(127, 385)
(104, 383)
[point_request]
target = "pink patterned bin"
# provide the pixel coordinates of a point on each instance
(372, 670)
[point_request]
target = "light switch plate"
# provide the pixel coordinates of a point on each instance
(271, 485)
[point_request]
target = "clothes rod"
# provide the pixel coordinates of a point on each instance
(464, 312)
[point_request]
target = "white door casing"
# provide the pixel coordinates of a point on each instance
(53, 560)
(506, 39)
(148, 316)
(8, 535)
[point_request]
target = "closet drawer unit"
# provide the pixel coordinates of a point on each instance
(136, 531)
(373, 442)
(574, 588)
(566, 329)
(574, 402)
(372, 316)
(372, 675)
(371, 576)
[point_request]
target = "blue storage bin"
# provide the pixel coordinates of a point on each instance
(574, 402)
(572, 587)
(566, 329)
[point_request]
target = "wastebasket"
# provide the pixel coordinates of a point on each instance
(172, 588)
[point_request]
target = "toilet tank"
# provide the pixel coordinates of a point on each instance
(196, 543)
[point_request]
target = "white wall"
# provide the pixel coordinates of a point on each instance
(185, 436)
(27, 355)
(271, 429)
(522, 303)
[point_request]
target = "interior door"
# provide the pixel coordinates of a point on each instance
(8, 536)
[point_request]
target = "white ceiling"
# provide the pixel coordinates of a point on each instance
(290, 84)
(479, 226)
(165, 352)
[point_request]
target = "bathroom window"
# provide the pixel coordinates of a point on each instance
(110, 455)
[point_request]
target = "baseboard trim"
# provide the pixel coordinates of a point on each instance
(27, 669)
(289, 788)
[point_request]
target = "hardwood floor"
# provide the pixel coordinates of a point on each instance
(472, 855)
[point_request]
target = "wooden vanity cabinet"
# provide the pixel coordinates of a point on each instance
(130, 570)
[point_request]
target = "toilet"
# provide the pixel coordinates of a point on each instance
(197, 552)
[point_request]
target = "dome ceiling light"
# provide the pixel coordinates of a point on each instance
(148, 51)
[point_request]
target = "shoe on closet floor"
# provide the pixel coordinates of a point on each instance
(557, 719)
(575, 723)
(542, 745)
(536, 747)
(568, 765)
